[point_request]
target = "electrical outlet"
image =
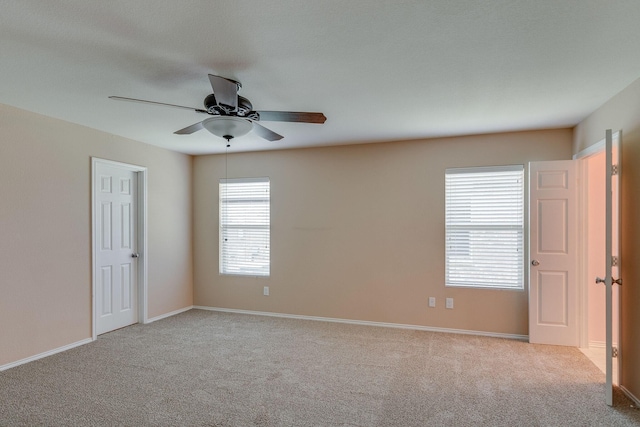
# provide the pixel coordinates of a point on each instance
(265, 291)
(449, 303)
(432, 301)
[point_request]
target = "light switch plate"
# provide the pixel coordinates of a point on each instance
(449, 303)
(432, 301)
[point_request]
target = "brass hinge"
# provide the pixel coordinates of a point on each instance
(614, 170)
(614, 352)
(614, 261)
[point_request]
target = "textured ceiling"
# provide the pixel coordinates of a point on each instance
(379, 70)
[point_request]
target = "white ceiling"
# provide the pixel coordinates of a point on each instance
(379, 70)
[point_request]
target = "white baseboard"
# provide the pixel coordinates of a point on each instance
(173, 313)
(630, 396)
(79, 343)
(368, 323)
(292, 316)
(45, 354)
(600, 344)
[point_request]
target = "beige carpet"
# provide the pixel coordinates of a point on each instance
(203, 368)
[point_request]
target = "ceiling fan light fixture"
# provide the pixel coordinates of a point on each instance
(226, 126)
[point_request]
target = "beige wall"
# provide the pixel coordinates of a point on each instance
(357, 232)
(622, 112)
(45, 223)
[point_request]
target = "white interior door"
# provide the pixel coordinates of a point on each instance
(115, 246)
(612, 260)
(553, 289)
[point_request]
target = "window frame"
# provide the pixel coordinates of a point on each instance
(224, 218)
(519, 265)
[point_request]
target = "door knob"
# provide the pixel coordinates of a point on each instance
(136, 255)
(535, 263)
(599, 280)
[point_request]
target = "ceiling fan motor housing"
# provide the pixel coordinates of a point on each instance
(244, 107)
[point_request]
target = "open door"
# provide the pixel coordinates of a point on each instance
(612, 261)
(553, 290)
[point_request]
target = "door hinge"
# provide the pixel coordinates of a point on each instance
(614, 261)
(614, 170)
(614, 351)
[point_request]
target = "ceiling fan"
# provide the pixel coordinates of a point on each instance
(233, 115)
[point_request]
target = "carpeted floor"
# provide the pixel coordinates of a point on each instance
(203, 368)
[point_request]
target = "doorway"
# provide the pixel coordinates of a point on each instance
(593, 301)
(119, 296)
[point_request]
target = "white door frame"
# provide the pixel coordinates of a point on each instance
(142, 238)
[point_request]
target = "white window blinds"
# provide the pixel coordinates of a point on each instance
(244, 226)
(484, 215)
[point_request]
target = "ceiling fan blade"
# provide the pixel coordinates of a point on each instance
(265, 133)
(291, 116)
(190, 129)
(225, 91)
(142, 101)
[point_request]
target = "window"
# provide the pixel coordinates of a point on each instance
(244, 226)
(484, 227)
